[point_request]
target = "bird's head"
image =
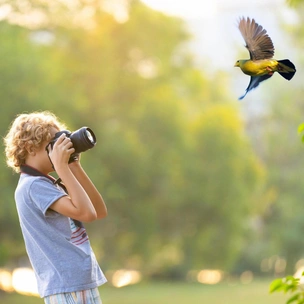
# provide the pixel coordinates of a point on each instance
(240, 63)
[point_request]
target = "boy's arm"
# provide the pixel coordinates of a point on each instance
(89, 188)
(78, 204)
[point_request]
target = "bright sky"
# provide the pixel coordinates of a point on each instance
(186, 9)
(206, 8)
(214, 22)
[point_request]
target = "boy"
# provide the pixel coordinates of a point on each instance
(50, 217)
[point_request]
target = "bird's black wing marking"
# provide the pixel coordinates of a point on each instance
(254, 82)
(258, 42)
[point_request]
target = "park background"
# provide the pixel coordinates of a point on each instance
(200, 187)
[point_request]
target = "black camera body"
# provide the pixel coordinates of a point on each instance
(82, 139)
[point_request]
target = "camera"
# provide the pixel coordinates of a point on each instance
(82, 139)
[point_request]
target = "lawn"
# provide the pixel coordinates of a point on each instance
(176, 293)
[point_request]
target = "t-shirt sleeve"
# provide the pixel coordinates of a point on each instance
(44, 193)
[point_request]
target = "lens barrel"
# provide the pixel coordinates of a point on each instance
(83, 139)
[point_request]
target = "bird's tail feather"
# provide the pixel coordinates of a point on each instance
(286, 68)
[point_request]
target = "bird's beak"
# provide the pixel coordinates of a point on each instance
(237, 64)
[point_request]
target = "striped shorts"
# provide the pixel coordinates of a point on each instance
(90, 296)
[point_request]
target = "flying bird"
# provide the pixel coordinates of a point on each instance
(261, 64)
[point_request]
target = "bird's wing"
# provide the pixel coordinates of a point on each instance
(254, 82)
(257, 40)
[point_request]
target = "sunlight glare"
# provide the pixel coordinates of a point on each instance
(299, 274)
(6, 280)
(24, 281)
(208, 276)
(118, 8)
(5, 10)
(185, 9)
(125, 277)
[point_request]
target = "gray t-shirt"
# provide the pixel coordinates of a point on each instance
(58, 247)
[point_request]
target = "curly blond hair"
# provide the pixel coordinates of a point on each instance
(27, 132)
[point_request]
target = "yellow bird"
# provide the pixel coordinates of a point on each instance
(261, 64)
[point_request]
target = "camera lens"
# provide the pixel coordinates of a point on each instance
(83, 139)
(90, 136)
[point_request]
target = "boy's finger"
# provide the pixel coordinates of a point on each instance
(60, 139)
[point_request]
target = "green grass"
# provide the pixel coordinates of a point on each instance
(176, 293)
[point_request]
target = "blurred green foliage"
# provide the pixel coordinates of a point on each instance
(289, 285)
(183, 178)
(294, 3)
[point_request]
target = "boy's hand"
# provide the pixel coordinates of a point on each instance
(61, 152)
